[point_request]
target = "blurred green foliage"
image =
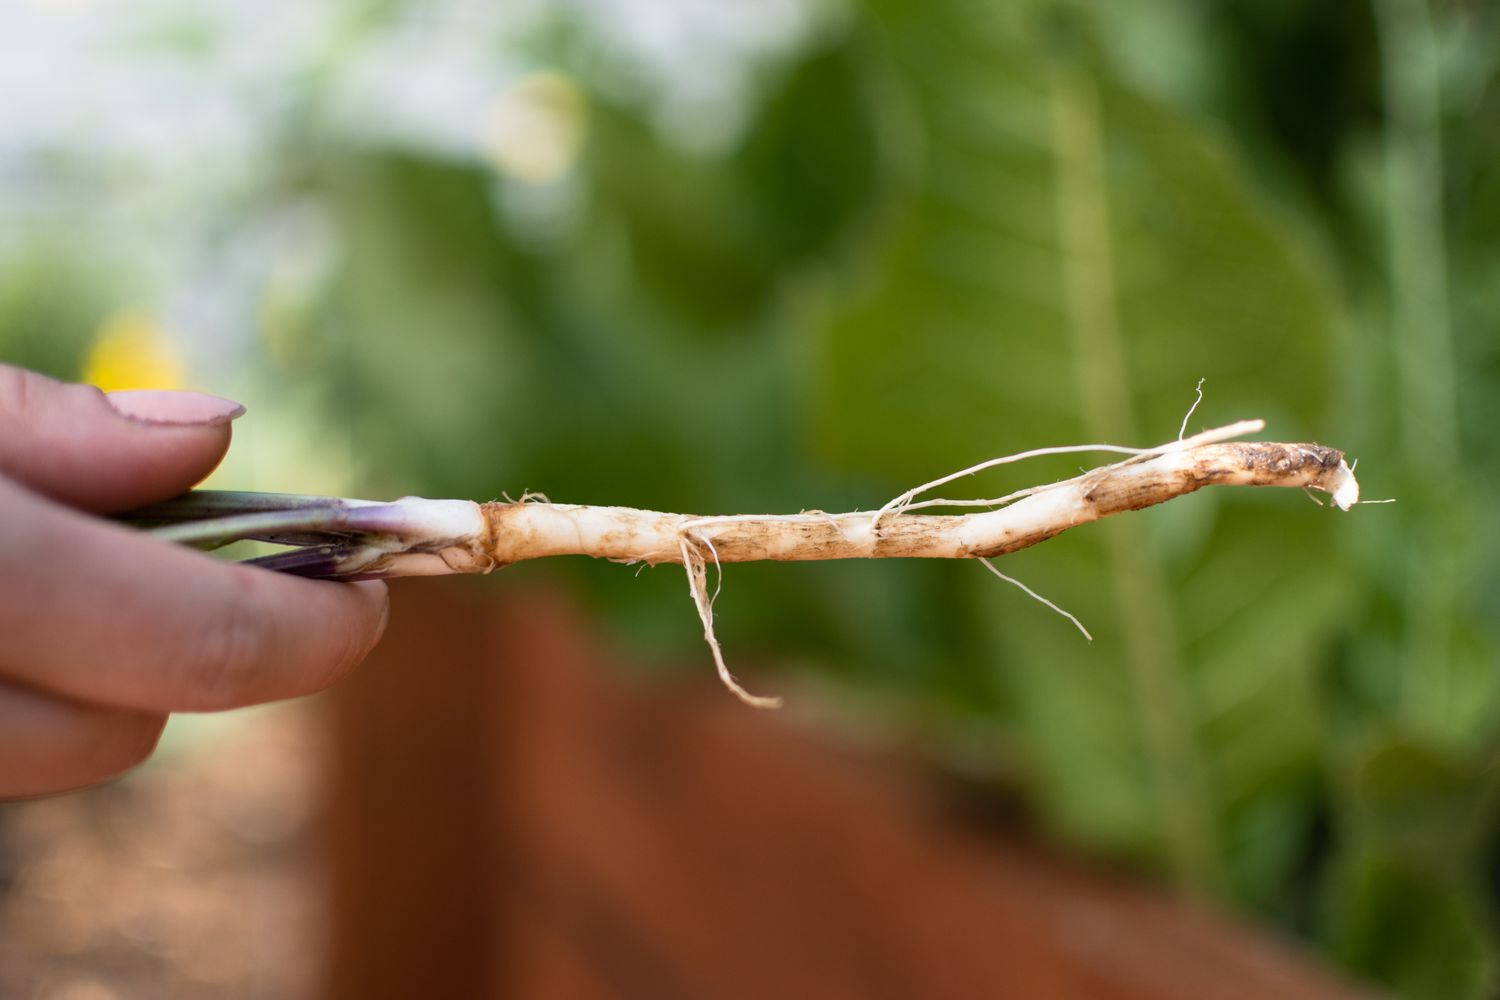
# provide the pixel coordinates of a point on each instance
(950, 230)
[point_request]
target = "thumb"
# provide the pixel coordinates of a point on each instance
(112, 452)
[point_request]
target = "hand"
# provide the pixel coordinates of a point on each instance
(104, 630)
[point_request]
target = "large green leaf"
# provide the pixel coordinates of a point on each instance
(1065, 258)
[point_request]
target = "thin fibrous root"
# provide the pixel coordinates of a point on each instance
(697, 575)
(904, 502)
(1037, 597)
(1182, 431)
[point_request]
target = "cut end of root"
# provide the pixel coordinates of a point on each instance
(1344, 488)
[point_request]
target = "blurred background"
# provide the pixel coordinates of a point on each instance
(741, 256)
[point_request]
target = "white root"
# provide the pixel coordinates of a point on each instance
(482, 537)
(1038, 597)
(697, 574)
(1198, 389)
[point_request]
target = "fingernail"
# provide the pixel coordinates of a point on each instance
(173, 408)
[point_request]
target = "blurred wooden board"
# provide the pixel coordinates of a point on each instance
(511, 818)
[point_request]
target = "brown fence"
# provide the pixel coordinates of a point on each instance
(513, 818)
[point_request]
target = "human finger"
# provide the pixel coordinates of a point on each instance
(48, 744)
(111, 452)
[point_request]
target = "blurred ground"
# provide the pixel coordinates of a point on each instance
(191, 878)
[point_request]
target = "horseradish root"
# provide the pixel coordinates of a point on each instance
(356, 539)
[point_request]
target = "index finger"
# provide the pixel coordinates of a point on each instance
(77, 445)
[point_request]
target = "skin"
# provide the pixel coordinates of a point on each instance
(104, 632)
